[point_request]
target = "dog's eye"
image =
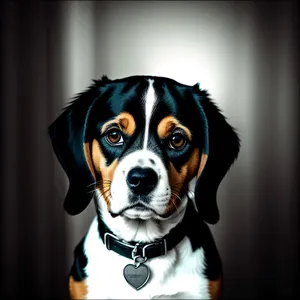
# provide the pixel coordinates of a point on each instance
(114, 137)
(177, 141)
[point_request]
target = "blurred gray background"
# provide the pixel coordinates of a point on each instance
(244, 53)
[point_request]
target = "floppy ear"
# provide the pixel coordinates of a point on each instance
(223, 148)
(67, 135)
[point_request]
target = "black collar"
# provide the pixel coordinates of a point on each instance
(145, 250)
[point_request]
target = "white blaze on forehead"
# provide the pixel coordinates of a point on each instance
(150, 100)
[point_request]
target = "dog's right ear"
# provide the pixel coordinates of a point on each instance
(67, 134)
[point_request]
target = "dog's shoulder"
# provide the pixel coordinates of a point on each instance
(77, 278)
(200, 237)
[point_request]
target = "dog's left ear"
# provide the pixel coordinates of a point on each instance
(67, 134)
(223, 148)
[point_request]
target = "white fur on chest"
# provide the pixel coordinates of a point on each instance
(178, 274)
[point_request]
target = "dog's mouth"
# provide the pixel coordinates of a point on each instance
(139, 209)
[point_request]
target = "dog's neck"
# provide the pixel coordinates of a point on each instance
(136, 229)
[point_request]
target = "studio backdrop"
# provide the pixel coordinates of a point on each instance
(244, 53)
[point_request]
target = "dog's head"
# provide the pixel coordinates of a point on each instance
(140, 141)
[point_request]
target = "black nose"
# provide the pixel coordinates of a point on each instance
(142, 180)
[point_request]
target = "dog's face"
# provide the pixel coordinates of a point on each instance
(141, 140)
(145, 149)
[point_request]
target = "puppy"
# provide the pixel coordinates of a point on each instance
(151, 153)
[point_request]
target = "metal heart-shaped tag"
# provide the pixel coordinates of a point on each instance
(137, 277)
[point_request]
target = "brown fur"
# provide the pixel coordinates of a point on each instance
(97, 164)
(167, 125)
(179, 180)
(77, 289)
(203, 161)
(124, 121)
(215, 288)
(88, 157)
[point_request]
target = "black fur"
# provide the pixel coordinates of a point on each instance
(224, 145)
(80, 262)
(67, 137)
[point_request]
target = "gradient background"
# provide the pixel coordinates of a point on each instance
(244, 53)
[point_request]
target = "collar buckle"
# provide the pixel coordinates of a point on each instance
(107, 241)
(162, 244)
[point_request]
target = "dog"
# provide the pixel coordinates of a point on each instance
(151, 152)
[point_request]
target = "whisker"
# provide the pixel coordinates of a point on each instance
(173, 202)
(103, 185)
(177, 196)
(90, 192)
(91, 184)
(99, 181)
(104, 192)
(176, 190)
(176, 185)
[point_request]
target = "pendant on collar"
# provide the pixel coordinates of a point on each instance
(137, 274)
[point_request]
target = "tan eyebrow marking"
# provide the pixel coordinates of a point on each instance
(124, 121)
(167, 125)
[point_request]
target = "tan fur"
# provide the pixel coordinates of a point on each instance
(124, 121)
(176, 181)
(167, 125)
(88, 157)
(97, 156)
(179, 180)
(77, 289)
(203, 161)
(97, 165)
(193, 164)
(215, 288)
